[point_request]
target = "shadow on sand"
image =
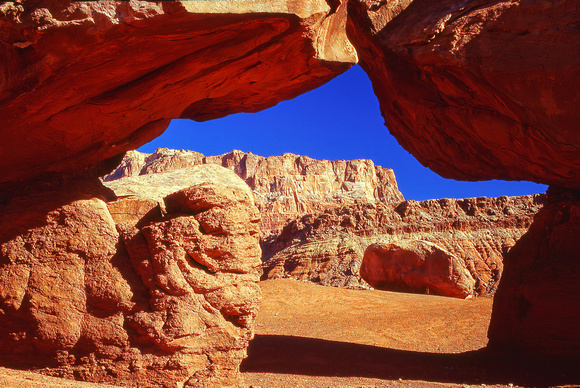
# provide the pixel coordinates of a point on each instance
(316, 357)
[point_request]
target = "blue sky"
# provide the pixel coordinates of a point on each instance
(340, 120)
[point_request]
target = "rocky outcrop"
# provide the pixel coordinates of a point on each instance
(328, 248)
(474, 89)
(536, 307)
(285, 186)
(124, 291)
(83, 81)
(416, 266)
(477, 89)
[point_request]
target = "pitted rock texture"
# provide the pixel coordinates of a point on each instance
(126, 292)
(416, 266)
(536, 309)
(84, 81)
(477, 89)
(285, 186)
(328, 248)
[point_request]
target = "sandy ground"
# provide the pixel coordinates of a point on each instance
(316, 336)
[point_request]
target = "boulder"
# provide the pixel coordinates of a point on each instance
(128, 292)
(416, 266)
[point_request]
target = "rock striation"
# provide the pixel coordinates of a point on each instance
(328, 248)
(475, 89)
(285, 186)
(82, 82)
(121, 290)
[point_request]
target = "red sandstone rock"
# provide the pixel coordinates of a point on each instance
(416, 266)
(328, 248)
(84, 81)
(285, 186)
(125, 293)
(536, 309)
(477, 89)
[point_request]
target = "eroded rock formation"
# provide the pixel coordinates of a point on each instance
(285, 186)
(416, 266)
(477, 89)
(474, 89)
(122, 290)
(84, 81)
(328, 248)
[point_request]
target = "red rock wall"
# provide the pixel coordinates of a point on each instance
(328, 248)
(84, 81)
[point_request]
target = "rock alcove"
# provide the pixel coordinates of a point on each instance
(474, 89)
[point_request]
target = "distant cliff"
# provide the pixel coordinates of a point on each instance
(319, 216)
(328, 248)
(286, 186)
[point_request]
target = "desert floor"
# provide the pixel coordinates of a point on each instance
(315, 336)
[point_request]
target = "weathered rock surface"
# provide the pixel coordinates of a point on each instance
(477, 89)
(416, 266)
(84, 81)
(328, 248)
(285, 186)
(536, 307)
(123, 292)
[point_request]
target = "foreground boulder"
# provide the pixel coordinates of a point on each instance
(416, 266)
(126, 291)
(84, 81)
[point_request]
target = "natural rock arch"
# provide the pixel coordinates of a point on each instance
(475, 90)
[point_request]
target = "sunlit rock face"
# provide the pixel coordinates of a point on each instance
(477, 89)
(285, 186)
(125, 291)
(82, 82)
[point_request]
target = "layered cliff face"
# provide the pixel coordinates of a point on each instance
(83, 81)
(120, 290)
(328, 248)
(285, 186)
